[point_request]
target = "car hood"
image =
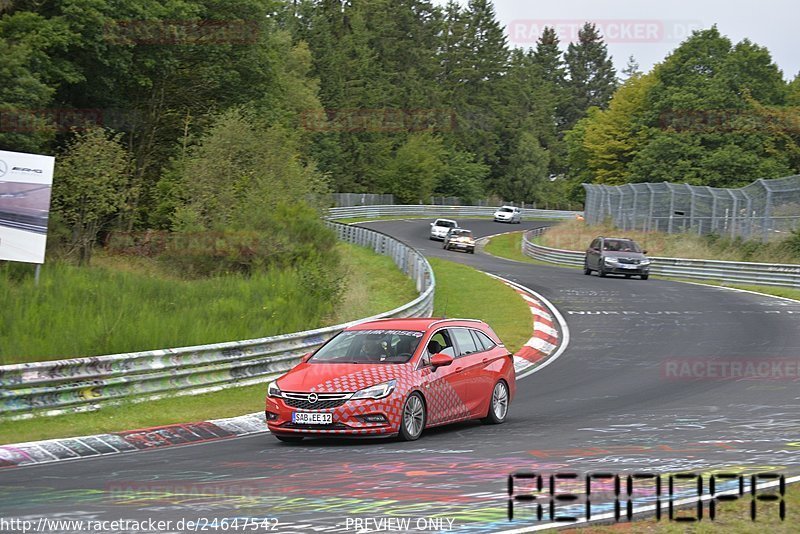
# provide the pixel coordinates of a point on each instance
(339, 377)
(631, 255)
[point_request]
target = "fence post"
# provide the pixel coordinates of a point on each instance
(767, 225)
(671, 207)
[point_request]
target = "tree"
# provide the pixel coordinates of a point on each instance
(89, 187)
(592, 78)
(239, 173)
(412, 173)
(462, 176)
(631, 68)
(613, 137)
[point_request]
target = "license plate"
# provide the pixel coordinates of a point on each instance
(312, 418)
(624, 266)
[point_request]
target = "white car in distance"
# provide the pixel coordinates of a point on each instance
(508, 214)
(440, 227)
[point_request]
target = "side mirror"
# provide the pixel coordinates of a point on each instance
(644, 252)
(306, 357)
(441, 360)
(431, 224)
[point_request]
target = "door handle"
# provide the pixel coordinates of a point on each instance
(485, 360)
(459, 369)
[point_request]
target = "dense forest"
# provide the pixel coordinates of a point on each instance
(193, 115)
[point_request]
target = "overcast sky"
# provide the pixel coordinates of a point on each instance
(651, 29)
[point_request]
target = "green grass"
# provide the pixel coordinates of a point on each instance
(456, 289)
(378, 290)
(130, 415)
(576, 235)
(124, 304)
(508, 246)
(731, 517)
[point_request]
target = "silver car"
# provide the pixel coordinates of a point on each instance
(440, 227)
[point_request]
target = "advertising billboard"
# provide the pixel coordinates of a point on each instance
(26, 182)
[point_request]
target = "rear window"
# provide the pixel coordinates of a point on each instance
(482, 340)
(446, 224)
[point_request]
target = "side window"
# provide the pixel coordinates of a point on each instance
(595, 244)
(483, 340)
(440, 342)
(466, 345)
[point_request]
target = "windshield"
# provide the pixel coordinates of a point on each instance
(506, 210)
(621, 245)
(461, 233)
(446, 224)
(369, 346)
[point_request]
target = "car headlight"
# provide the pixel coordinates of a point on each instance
(273, 390)
(611, 260)
(375, 392)
(644, 262)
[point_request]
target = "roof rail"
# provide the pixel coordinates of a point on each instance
(455, 319)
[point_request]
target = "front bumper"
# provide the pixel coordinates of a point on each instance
(461, 246)
(438, 236)
(348, 418)
(623, 268)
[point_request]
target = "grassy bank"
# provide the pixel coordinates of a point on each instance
(378, 291)
(124, 304)
(731, 517)
(456, 289)
(576, 235)
(508, 246)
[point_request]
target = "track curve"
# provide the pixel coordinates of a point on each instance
(610, 402)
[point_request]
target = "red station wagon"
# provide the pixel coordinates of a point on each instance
(394, 377)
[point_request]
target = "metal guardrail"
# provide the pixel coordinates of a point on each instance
(54, 387)
(782, 275)
(439, 211)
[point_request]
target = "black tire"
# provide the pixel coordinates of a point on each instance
(627, 276)
(444, 247)
(586, 270)
(498, 405)
(601, 272)
(413, 423)
(472, 251)
(288, 439)
(645, 276)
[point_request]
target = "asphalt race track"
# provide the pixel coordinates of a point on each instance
(633, 392)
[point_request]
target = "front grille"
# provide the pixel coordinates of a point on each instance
(322, 401)
(319, 405)
(629, 261)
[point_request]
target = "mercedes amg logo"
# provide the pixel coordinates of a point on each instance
(3, 168)
(312, 398)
